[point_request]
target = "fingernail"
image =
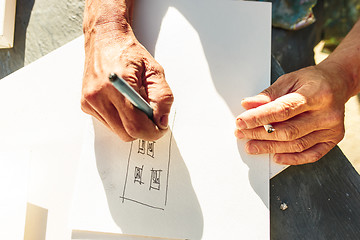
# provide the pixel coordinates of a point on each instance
(164, 120)
(239, 134)
(251, 149)
(240, 124)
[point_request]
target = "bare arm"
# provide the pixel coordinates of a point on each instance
(347, 59)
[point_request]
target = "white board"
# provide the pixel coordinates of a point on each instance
(214, 54)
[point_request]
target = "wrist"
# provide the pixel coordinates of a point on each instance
(346, 60)
(341, 77)
(103, 16)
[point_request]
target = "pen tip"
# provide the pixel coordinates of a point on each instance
(112, 76)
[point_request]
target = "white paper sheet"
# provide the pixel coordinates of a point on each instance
(42, 106)
(41, 112)
(214, 54)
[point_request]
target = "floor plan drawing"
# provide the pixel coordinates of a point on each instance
(147, 172)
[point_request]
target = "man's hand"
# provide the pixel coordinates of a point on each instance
(112, 47)
(305, 107)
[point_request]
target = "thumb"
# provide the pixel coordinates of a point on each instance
(278, 89)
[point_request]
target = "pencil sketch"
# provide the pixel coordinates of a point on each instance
(141, 147)
(155, 179)
(146, 180)
(150, 149)
(138, 174)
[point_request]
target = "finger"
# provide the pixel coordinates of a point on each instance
(135, 122)
(310, 155)
(161, 98)
(279, 110)
(297, 145)
(107, 114)
(86, 107)
(279, 88)
(255, 101)
(291, 129)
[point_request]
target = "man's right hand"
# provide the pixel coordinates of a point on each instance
(112, 47)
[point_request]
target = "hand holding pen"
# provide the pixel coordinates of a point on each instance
(121, 53)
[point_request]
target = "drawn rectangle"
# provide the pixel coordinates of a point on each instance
(147, 174)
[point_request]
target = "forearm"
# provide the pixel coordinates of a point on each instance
(107, 15)
(345, 60)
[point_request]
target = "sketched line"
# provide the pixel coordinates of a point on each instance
(168, 169)
(144, 204)
(127, 171)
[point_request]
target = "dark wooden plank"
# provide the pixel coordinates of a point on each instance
(323, 200)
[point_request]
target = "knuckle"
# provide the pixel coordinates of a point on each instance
(167, 97)
(285, 110)
(254, 134)
(291, 132)
(91, 96)
(154, 68)
(159, 70)
(270, 147)
(273, 116)
(300, 145)
(133, 129)
(253, 121)
(250, 134)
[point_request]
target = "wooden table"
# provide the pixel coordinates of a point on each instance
(323, 200)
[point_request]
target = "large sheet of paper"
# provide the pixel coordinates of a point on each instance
(212, 187)
(196, 182)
